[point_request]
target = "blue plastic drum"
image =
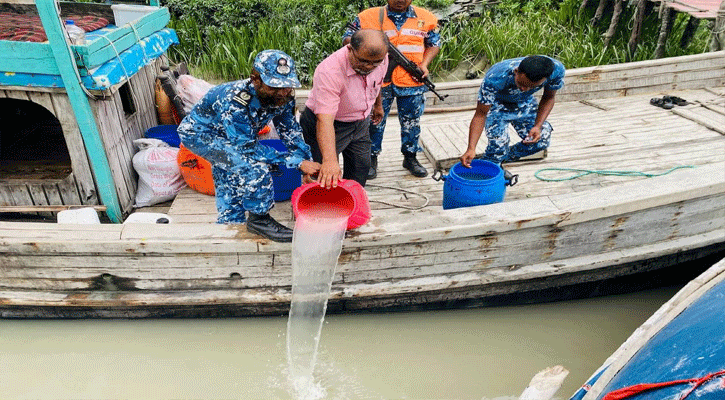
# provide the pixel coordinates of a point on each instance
(481, 184)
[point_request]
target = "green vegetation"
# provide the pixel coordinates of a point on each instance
(219, 38)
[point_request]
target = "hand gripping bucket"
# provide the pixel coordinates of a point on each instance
(348, 195)
(483, 183)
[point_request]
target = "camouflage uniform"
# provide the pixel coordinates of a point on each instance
(222, 128)
(410, 100)
(509, 105)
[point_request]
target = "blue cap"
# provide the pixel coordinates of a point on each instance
(277, 69)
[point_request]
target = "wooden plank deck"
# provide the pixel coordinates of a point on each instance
(620, 133)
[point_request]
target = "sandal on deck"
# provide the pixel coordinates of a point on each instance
(664, 102)
(676, 100)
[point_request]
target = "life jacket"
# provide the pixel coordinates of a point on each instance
(409, 39)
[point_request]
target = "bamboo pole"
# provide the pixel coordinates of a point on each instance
(582, 7)
(598, 14)
(636, 28)
(664, 31)
(613, 23)
(717, 40)
(689, 31)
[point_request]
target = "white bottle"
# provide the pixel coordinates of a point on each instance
(76, 33)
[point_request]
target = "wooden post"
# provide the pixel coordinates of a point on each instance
(613, 23)
(598, 14)
(636, 28)
(582, 7)
(717, 41)
(689, 31)
(664, 31)
(50, 17)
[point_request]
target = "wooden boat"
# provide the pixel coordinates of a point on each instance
(544, 242)
(679, 352)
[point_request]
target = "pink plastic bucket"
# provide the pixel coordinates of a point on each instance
(348, 196)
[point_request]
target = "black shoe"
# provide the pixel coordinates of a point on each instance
(373, 171)
(268, 227)
(410, 162)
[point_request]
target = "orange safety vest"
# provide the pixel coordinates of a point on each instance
(409, 39)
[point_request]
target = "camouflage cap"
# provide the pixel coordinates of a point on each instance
(276, 68)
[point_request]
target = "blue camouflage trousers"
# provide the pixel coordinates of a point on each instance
(249, 189)
(522, 117)
(245, 186)
(410, 108)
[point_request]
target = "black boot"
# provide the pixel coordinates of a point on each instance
(410, 162)
(373, 171)
(268, 227)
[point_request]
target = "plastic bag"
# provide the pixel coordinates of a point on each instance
(159, 177)
(191, 90)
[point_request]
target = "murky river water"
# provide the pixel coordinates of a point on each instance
(452, 354)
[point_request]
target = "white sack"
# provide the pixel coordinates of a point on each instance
(159, 176)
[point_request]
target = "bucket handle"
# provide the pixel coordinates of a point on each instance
(440, 176)
(510, 179)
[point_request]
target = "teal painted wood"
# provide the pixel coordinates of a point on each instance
(27, 57)
(108, 74)
(99, 50)
(49, 15)
(38, 58)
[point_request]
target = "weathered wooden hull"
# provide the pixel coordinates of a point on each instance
(559, 242)
(431, 256)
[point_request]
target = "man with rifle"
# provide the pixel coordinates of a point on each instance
(414, 32)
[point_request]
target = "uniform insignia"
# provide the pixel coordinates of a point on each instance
(421, 23)
(282, 67)
(242, 98)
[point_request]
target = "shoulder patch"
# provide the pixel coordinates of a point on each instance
(242, 97)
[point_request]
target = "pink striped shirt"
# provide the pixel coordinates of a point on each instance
(340, 91)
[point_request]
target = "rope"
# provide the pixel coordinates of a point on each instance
(582, 172)
(401, 190)
(118, 56)
(138, 40)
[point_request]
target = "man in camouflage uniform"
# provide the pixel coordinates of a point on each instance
(506, 97)
(222, 128)
(414, 31)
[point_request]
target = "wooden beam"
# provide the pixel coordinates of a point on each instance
(47, 208)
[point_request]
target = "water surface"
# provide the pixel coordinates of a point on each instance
(450, 354)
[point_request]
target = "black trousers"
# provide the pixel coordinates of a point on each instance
(352, 139)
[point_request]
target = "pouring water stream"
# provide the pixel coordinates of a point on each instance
(316, 247)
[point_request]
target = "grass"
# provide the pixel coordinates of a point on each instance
(219, 49)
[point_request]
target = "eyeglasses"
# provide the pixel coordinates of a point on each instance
(366, 62)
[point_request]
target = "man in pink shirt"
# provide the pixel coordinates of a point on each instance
(337, 114)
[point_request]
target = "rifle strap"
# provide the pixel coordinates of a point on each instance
(391, 64)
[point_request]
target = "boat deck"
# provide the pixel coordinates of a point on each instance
(620, 133)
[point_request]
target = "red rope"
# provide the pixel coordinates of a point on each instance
(629, 391)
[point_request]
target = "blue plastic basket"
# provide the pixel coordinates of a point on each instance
(167, 133)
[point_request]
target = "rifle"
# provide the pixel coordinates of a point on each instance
(396, 58)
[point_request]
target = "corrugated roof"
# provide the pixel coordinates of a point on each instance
(704, 9)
